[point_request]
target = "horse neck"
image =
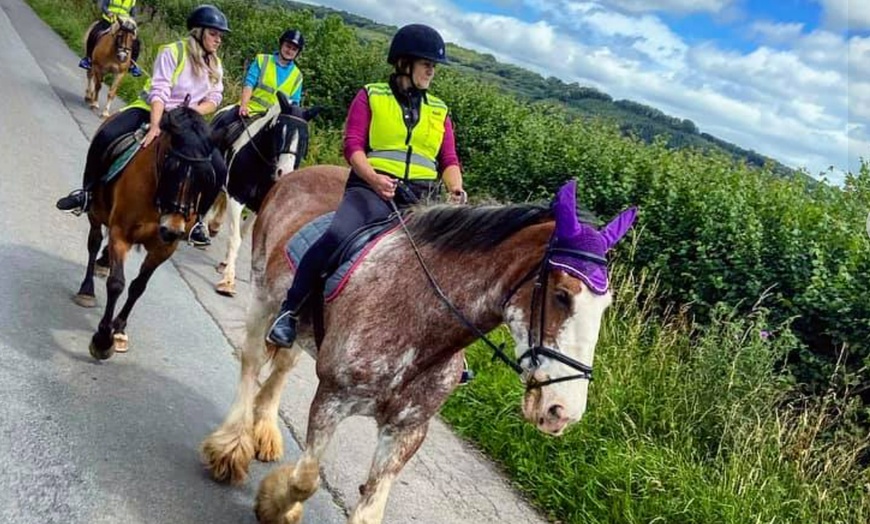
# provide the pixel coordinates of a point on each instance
(478, 283)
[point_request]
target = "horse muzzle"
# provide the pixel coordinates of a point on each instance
(172, 228)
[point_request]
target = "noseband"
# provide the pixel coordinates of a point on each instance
(537, 349)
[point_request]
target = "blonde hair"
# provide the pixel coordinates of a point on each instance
(202, 61)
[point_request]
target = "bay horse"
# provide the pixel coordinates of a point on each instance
(393, 347)
(113, 54)
(268, 148)
(152, 202)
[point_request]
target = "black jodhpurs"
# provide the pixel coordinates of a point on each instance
(359, 207)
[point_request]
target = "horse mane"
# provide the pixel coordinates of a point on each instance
(473, 228)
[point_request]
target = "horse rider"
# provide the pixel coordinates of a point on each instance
(398, 140)
(267, 75)
(112, 9)
(188, 67)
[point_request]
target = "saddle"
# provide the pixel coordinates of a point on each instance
(120, 152)
(346, 258)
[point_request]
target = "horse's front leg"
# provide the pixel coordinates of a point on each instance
(101, 266)
(395, 447)
(102, 343)
(86, 297)
(227, 285)
(268, 442)
(282, 492)
(95, 77)
(228, 451)
(110, 97)
(157, 254)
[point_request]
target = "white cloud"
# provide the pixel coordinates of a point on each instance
(805, 102)
(851, 14)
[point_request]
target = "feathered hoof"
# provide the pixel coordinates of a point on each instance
(273, 505)
(87, 301)
(268, 441)
(227, 455)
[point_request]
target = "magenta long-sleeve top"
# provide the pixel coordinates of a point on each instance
(356, 133)
(199, 88)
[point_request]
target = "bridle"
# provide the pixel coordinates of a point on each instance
(120, 46)
(537, 349)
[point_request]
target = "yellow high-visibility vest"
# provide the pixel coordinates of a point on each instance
(265, 93)
(410, 155)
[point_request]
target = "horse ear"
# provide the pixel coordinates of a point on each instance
(311, 113)
(618, 227)
(286, 106)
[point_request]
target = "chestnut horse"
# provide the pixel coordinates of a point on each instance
(392, 348)
(113, 53)
(152, 202)
(267, 149)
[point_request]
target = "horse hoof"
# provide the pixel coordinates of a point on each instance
(100, 354)
(94, 106)
(220, 267)
(120, 342)
(227, 289)
(101, 271)
(88, 301)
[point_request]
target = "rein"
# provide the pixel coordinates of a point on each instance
(536, 348)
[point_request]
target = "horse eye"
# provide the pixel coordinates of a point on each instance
(563, 298)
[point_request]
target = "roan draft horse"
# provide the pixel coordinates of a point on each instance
(392, 348)
(113, 54)
(152, 202)
(263, 152)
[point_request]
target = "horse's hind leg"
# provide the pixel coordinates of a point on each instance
(156, 256)
(282, 492)
(228, 451)
(227, 285)
(111, 95)
(395, 447)
(268, 442)
(102, 343)
(86, 297)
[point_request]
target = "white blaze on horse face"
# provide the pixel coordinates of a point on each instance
(564, 403)
(287, 161)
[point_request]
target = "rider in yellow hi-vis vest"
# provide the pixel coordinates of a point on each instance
(399, 141)
(266, 76)
(111, 10)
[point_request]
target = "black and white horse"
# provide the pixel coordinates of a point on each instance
(262, 152)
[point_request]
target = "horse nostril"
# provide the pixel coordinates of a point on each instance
(555, 411)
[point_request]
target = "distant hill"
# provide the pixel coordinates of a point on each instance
(633, 118)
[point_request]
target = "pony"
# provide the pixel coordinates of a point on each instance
(113, 53)
(394, 336)
(260, 154)
(152, 202)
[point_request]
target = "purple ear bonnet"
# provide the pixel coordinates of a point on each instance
(573, 235)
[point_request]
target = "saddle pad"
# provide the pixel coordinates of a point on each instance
(121, 152)
(354, 252)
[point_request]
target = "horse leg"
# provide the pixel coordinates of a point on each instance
(395, 447)
(268, 442)
(227, 285)
(86, 297)
(282, 492)
(98, 84)
(228, 451)
(156, 256)
(111, 95)
(101, 269)
(102, 343)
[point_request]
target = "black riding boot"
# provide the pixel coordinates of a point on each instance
(283, 330)
(76, 202)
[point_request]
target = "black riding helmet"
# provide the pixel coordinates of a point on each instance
(208, 16)
(417, 41)
(293, 36)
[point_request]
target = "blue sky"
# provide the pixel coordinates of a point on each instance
(788, 78)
